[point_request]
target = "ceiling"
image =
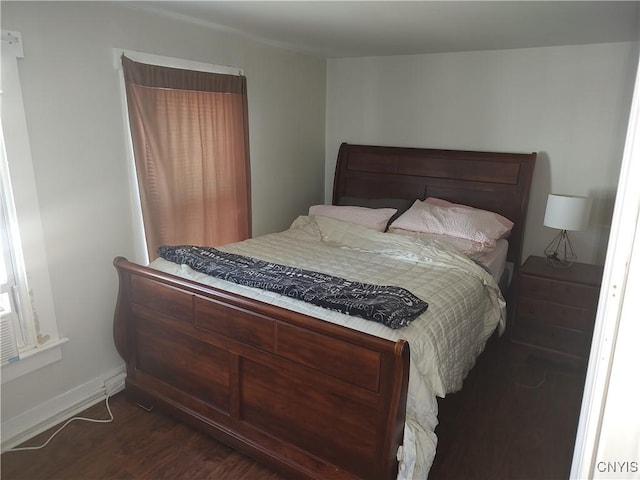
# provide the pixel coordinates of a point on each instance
(335, 29)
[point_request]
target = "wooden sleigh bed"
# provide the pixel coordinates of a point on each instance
(309, 398)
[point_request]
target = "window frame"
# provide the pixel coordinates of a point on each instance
(43, 344)
(141, 254)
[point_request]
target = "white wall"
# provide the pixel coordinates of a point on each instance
(570, 104)
(73, 108)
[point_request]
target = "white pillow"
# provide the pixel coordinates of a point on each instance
(457, 221)
(374, 218)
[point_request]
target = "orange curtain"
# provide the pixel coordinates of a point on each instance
(190, 142)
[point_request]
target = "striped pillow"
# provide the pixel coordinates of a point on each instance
(438, 202)
(461, 221)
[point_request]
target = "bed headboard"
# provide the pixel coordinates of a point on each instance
(499, 182)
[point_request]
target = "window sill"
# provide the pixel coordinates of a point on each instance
(33, 360)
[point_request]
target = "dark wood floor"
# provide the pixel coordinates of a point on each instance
(500, 426)
(513, 419)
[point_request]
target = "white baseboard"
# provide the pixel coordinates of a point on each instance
(21, 428)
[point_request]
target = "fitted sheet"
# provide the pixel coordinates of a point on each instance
(496, 259)
(465, 306)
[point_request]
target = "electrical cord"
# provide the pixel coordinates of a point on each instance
(524, 385)
(84, 419)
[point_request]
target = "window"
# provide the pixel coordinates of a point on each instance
(189, 136)
(16, 322)
(27, 319)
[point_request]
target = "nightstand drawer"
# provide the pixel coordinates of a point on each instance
(556, 315)
(564, 293)
(569, 342)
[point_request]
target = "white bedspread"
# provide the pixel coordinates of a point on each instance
(465, 306)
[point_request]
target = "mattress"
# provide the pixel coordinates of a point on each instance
(465, 306)
(495, 260)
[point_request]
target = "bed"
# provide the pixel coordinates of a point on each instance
(310, 392)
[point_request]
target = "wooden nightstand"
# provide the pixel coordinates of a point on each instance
(555, 310)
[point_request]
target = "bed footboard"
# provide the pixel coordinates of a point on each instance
(307, 397)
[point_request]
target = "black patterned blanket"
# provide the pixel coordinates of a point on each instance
(392, 306)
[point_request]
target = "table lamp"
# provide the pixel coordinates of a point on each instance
(565, 212)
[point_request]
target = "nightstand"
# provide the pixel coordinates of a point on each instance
(555, 310)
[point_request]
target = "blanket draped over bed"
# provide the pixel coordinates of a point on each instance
(395, 307)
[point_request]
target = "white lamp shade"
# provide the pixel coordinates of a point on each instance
(567, 212)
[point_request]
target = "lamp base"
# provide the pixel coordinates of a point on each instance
(559, 252)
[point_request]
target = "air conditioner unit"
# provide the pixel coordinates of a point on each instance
(8, 346)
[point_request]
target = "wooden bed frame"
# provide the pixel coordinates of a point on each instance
(307, 397)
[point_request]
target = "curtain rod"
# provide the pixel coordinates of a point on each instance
(173, 62)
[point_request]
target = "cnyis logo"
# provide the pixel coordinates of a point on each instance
(618, 467)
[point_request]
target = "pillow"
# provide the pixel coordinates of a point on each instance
(375, 218)
(457, 221)
(400, 204)
(464, 245)
(439, 202)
